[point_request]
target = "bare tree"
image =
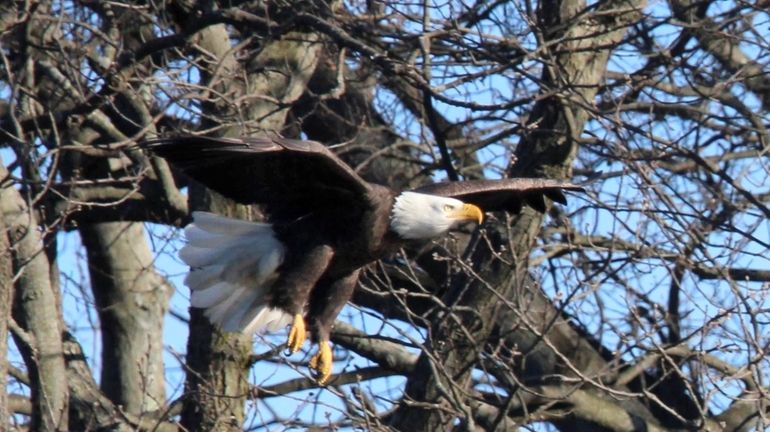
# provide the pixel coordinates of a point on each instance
(640, 306)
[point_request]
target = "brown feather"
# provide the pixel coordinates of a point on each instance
(504, 194)
(291, 177)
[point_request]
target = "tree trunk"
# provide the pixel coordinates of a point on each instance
(6, 298)
(131, 301)
(40, 343)
(275, 78)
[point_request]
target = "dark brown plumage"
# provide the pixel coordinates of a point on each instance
(325, 223)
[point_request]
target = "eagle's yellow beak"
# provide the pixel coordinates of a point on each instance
(468, 212)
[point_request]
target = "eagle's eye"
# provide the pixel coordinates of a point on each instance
(448, 208)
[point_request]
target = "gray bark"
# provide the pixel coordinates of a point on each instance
(131, 301)
(41, 345)
(6, 298)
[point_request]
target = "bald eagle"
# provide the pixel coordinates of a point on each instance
(324, 224)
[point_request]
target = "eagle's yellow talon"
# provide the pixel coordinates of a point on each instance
(321, 363)
(297, 335)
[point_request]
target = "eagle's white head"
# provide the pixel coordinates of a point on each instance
(423, 216)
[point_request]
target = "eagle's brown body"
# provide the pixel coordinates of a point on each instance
(326, 252)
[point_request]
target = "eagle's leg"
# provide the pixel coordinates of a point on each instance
(322, 362)
(297, 335)
(293, 288)
(327, 301)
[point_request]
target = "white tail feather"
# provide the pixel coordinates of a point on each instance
(269, 319)
(212, 296)
(223, 313)
(233, 264)
(213, 223)
(204, 277)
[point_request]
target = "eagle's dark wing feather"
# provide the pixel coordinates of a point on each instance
(288, 176)
(505, 194)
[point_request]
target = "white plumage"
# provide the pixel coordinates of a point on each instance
(422, 216)
(232, 265)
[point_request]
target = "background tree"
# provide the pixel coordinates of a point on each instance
(641, 306)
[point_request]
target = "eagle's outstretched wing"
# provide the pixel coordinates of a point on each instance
(287, 176)
(505, 194)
